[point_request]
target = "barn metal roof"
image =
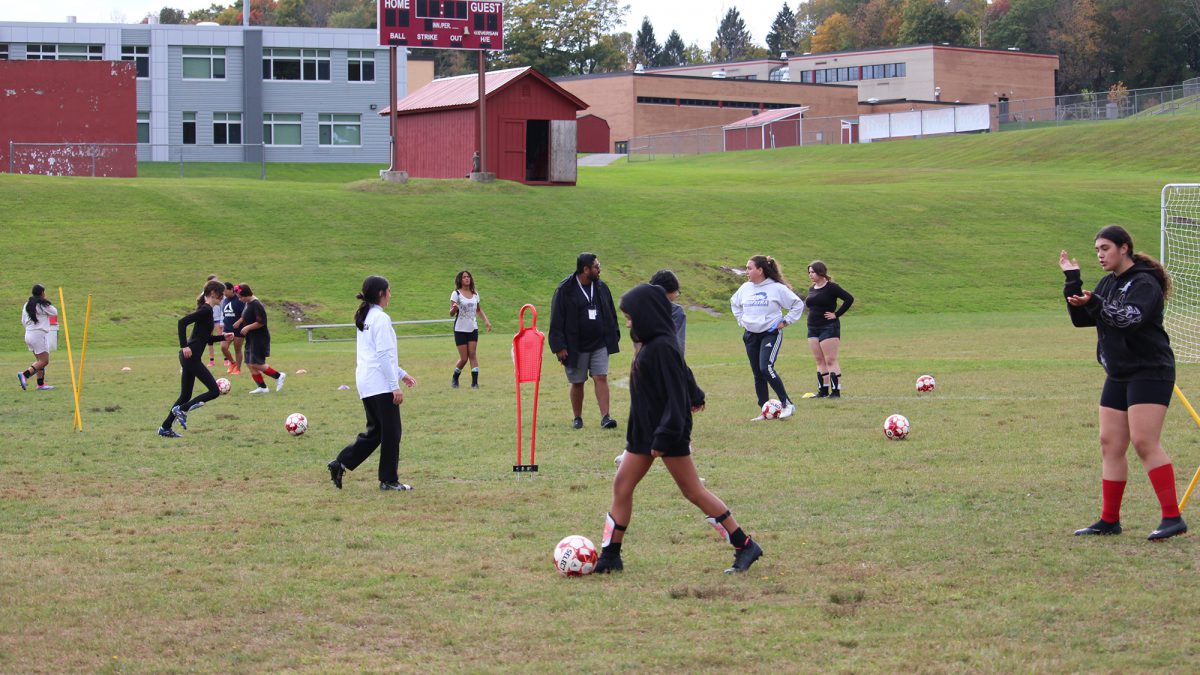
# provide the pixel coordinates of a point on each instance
(766, 117)
(463, 91)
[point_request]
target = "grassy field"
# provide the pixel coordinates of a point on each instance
(229, 550)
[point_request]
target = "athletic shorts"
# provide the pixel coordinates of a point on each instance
(37, 341)
(594, 362)
(666, 453)
(257, 351)
(826, 332)
(1121, 395)
(461, 338)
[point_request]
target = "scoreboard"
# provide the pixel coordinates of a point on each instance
(442, 24)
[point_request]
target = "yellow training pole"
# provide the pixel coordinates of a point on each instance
(87, 321)
(1191, 486)
(62, 305)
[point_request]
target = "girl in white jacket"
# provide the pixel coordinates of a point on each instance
(35, 316)
(759, 307)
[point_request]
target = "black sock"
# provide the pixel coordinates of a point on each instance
(474, 376)
(613, 550)
(29, 372)
(835, 381)
(821, 378)
(41, 380)
(738, 538)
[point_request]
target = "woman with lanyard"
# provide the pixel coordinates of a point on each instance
(464, 306)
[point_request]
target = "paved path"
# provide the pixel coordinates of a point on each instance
(599, 159)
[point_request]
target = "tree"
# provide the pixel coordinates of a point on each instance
(929, 21)
(1024, 25)
(646, 48)
(835, 34)
(614, 53)
(1076, 38)
(559, 37)
(784, 34)
(292, 13)
(170, 15)
(209, 14)
(1145, 43)
(694, 54)
(733, 40)
(673, 52)
(877, 24)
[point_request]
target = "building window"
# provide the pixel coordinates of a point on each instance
(64, 52)
(309, 65)
(282, 129)
(340, 129)
(227, 128)
(140, 57)
(203, 63)
(360, 66)
(189, 128)
(3, 52)
(143, 126)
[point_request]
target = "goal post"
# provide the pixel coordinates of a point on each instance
(1179, 251)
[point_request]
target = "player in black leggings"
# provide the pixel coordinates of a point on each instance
(191, 358)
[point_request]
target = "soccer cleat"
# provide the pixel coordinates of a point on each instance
(577, 423)
(400, 487)
(823, 392)
(607, 564)
(44, 387)
(279, 382)
(22, 380)
(474, 385)
(169, 433)
(228, 363)
(1169, 527)
(1100, 527)
(180, 416)
(454, 381)
(744, 557)
(835, 393)
(788, 410)
(212, 362)
(235, 371)
(260, 390)
(607, 422)
(336, 471)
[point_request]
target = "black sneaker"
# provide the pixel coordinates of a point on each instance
(474, 385)
(1100, 527)
(402, 487)
(169, 433)
(823, 392)
(607, 422)
(336, 471)
(836, 393)
(180, 416)
(1169, 527)
(578, 423)
(454, 381)
(606, 564)
(744, 557)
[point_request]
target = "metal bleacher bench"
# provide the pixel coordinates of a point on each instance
(311, 327)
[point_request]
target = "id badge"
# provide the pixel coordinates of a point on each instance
(591, 314)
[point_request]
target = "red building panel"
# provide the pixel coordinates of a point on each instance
(91, 106)
(593, 134)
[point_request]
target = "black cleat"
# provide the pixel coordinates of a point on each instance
(578, 423)
(336, 471)
(454, 381)
(1169, 527)
(745, 557)
(401, 487)
(1101, 527)
(608, 563)
(607, 422)
(169, 433)
(180, 416)
(836, 393)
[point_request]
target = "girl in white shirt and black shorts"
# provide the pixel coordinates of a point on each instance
(35, 316)
(464, 306)
(378, 377)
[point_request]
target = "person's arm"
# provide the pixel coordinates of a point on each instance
(483, 316)
(260, 320)
(735, 305)
(51, 310)
(669, 375)
(454, 303)
(612, 312)
(557, 336)
(792, 303)
(846, 299)
(1143, 300)
(187, 321)
(695, 393)
(1077, 298)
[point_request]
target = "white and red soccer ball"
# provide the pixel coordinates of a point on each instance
(926, 383)
(296, 424)
(772, 409)
(575, 556)
(896, 427)
(223, 386)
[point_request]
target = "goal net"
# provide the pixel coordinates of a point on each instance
(1180, 254)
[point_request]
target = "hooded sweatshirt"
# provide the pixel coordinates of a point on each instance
(660, 383)
(1127, 311)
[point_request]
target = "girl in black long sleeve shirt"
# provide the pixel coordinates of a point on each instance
(1127, 310)
(825, 327)
(191, 358)
(660, 425)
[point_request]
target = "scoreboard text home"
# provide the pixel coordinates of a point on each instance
(441, 24)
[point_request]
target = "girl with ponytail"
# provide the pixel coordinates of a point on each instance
(378, 377)
(1126, 309)
(35, 316)
(191, 358)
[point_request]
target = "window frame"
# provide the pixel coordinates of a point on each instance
(143, 123)
(364, 57)
(189, 118)
(3, 52)
(210, 54)
(140, 55)
(55, 52)
(270, 122)
(328, 122)
(231, 126)
(311, 64)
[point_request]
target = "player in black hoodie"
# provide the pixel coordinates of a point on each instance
(660, 425)
(1127, 310)
(191, 358)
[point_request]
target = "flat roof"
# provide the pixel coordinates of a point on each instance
(912, 48)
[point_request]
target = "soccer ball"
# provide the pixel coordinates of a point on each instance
(296, 424)
(896, 427)
(223, 386)
(772, 409)
(575, 556)
(926, 383)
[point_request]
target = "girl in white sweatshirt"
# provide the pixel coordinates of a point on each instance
(759, 307)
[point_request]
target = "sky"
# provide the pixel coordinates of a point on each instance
(696, 20)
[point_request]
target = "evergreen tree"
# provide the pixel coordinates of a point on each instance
(646, 49)
(674, 51)
(733, 40)
(784, 34)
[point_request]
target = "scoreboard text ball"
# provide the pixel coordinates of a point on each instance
(441, 24)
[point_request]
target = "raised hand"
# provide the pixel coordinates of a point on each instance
(1066, 263)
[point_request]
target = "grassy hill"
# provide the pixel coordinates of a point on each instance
(949, 224)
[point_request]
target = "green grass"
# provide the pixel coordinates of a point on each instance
(229, 551)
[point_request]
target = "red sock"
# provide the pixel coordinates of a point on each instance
(258, 380)
(1111, 491)
(272, 372)
(1163, 480)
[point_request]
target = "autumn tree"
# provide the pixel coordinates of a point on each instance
(929, 21)
(877, 24)
(835, 34)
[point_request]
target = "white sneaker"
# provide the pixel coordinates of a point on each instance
(260, 390)
(279, 382)
(787, 410)
(760, 418)
(618, 459)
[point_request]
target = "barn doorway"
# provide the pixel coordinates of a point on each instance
(537, 151)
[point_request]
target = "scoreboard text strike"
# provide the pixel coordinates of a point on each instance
(441, 24)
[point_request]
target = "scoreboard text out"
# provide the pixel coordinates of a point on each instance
(441, 24)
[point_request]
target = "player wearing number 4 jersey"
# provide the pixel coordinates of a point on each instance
(1127, 310)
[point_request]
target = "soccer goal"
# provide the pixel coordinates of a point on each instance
(1179, 250)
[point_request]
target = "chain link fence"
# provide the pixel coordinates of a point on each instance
(1098, 106)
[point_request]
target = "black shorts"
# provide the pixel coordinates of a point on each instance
(1121, 395)
(461, 338)
(257, 351)
(827, 331)
(684, 452)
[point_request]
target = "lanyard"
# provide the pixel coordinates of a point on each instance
(591, 303)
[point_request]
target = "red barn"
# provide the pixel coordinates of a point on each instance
(68, 118)
(769, 129)
(531, 130)
(593, 134)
